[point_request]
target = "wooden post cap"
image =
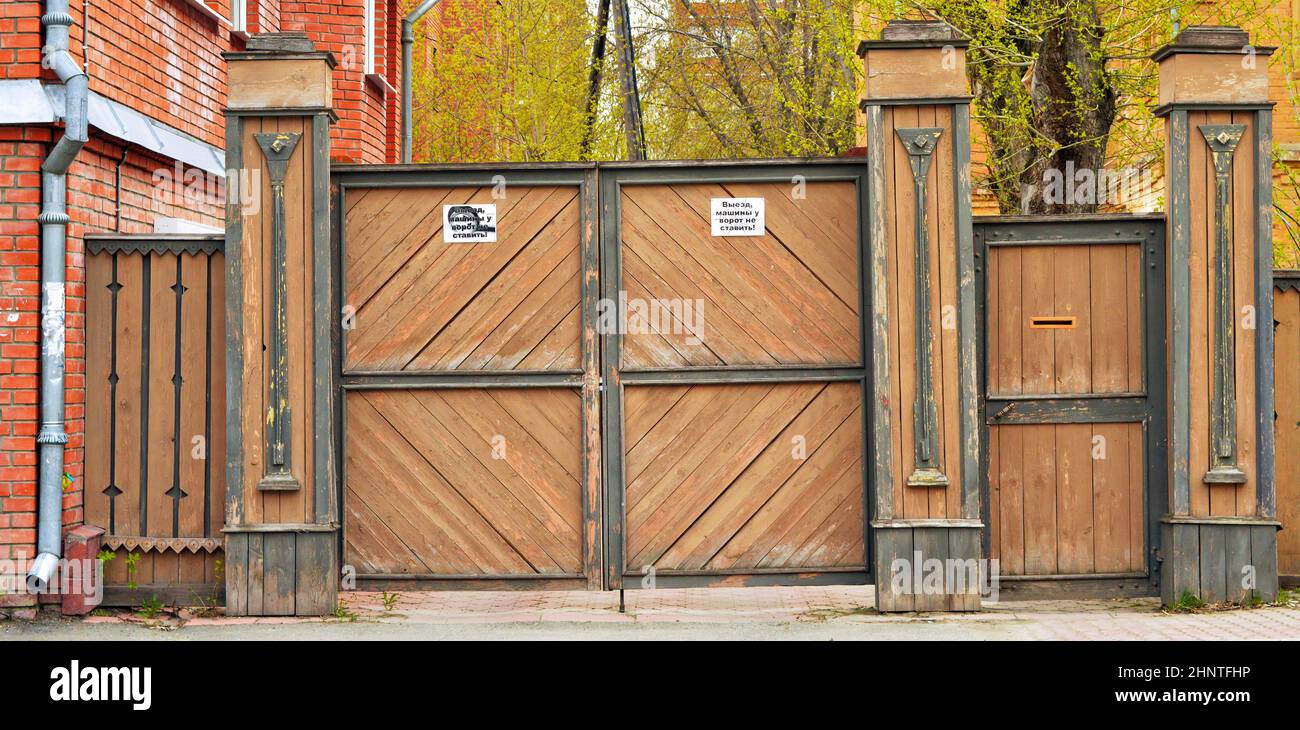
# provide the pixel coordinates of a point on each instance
(1208, 64)
(918, 59)
(280, 71)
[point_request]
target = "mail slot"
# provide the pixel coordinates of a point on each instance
(1053, 323)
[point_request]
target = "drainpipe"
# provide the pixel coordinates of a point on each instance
(408, 38)
(54, 225)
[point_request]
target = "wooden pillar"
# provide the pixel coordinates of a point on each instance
(1219, 542)
(281, 514)
(925, 441)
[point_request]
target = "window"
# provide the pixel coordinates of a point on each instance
(370, 36)
(239, 15)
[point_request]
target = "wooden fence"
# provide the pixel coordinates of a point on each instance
(155, 415)
(1286, 364)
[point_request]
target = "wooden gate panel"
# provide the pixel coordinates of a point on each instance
(464, 482)
(155, 415)
(422, 304)
(744, 477)
(788, 297)
(1065, 319)
(1286, 366)
(1056, 509)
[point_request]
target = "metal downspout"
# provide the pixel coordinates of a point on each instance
(54, 224)
(408, 39)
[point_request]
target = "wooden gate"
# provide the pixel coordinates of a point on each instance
(1073, 342)
(734, 391)
(469, 364)
(155, 414)
(500, 359)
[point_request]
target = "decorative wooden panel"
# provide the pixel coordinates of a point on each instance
(155, 411)
(901, 296)
(788, 297)
(1286, 363)
(1221, 499)
(155, 381)
(744, 477)
(421, 304)
(1063, 501)
(1065, 319)
(463, 482)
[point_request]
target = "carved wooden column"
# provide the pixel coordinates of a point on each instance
(1219, 542)
(281, 515)
(925, 442)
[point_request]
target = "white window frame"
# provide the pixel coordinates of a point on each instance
(370, 10)
(239, 15)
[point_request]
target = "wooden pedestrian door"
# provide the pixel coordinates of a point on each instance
(557, 377)
(1074, 312)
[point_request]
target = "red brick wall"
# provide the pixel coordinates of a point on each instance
(20, 27)
(21, 152)
(367, 115)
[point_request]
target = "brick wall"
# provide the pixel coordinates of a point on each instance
(21, 153)
(366, 131)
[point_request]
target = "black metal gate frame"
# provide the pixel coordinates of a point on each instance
(612, 177)
(1146, 406)
(580, 175)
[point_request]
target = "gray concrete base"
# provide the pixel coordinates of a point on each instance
(1218, 560)
(927, 565)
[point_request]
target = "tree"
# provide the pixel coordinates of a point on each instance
(748, 78)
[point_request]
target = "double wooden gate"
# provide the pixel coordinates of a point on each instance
(564, 379)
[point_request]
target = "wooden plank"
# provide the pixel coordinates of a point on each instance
(1237, 558)
(1072, 347)
(1038, 351)
(1213, 566)
(255, 571)
(236, 573)
(216, 464)
(193, 430)
(1010, 331)
(130, 343)
(892, 545)
(896, 317)
(1286, 373)
(1112, 321)
(1242, 247)
(1263, 554)
(1040, 485)
(1011, 495)
(1111, 485)
(1075, 522)
(1201, 347)
(279, 573)
(932, 543)
(315, 590)
(162, 395)
(943, 312)
(99, 356)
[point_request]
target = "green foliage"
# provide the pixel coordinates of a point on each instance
(105, 555)
(150, 608)
(390, 600)
(740, 78)
(505, 81)
(343, 612)
(132, 569)
(1187, 603)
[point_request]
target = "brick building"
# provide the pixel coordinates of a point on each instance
(154, 163)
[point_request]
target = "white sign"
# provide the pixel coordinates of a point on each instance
(469, 223)
(737, 216)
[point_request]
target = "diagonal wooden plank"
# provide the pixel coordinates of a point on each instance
(560, 349)
(681, 504)
(448, 296)
(674, 431)
(504, 296)
(764, 476)
(419, 489)
(435, 264)
(655, 334)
